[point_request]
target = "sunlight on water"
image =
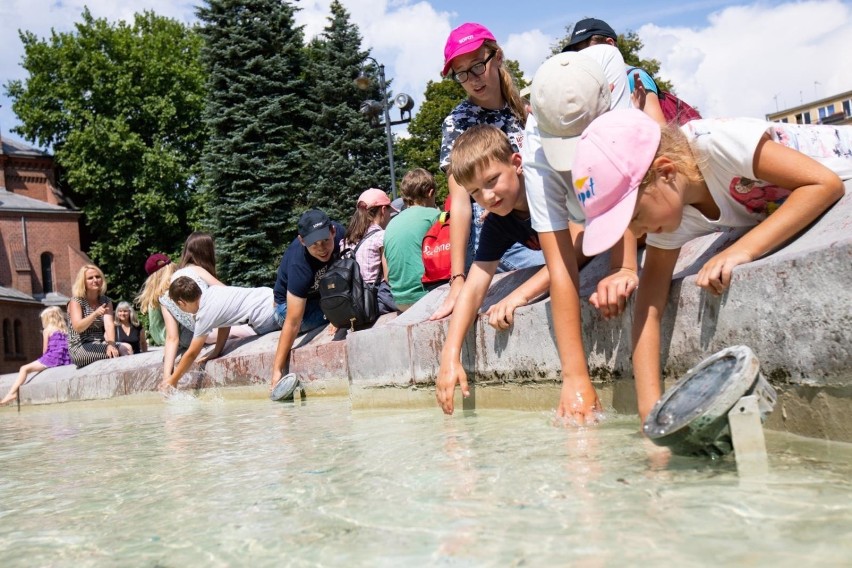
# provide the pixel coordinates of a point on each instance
(215, 482)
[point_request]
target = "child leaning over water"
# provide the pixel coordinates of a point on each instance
(678, 183)
(485, 164)
(55, 349)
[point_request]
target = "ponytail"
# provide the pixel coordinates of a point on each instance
(508, 88)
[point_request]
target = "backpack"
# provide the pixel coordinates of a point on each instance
(345, 299)
(674, 109)
(436, 249)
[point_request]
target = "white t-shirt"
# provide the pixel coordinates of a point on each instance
(224, 306)
(551, 199)
(725, 151)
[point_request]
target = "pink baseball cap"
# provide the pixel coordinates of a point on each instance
(374, 198)
(612, 157)
(464, 39)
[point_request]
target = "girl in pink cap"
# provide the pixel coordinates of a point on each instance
(679, 183)
(366, 235)
(473, 59)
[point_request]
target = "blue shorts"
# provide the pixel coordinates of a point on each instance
(313, 316)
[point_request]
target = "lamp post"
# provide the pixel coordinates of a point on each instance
(372, 109)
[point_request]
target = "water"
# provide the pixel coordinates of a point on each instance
(215, 482)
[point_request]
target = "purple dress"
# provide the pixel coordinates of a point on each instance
(57, 351)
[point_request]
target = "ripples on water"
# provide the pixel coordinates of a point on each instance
(215, 482)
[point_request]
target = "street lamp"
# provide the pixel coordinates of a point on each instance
(374, 109)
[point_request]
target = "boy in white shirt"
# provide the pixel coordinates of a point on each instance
(219, 307)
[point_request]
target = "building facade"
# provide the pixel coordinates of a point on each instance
(39, 249)
(836, 109)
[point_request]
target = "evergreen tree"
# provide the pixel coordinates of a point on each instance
(257, 120)
(347, 155)
(121, 107)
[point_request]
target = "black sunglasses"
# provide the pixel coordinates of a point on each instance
(477, 69)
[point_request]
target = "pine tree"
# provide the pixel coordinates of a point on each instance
(346, 154)
(256, 118)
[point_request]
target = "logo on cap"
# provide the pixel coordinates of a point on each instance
(584, 193)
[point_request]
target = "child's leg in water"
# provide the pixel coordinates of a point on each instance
(22, 376)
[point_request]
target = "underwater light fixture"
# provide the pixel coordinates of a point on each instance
(701, 415)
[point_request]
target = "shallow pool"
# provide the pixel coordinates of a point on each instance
(212, 482)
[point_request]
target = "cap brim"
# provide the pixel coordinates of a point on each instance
(604, 231)
(559, 150)
(317, 235)
(466, 48)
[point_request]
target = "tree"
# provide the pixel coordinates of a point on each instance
(423, 146)
(121, 107)
(629, 45)
(254, 162)
(346, 154)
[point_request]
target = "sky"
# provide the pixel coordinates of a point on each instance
(726, 58)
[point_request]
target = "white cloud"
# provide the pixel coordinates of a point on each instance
(530, 49)
(748, 55)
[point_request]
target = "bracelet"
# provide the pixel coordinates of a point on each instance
(461, 275)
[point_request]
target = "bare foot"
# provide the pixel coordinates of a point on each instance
(8, 398)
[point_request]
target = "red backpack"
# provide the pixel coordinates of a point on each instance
(674, 109)
(436, 249)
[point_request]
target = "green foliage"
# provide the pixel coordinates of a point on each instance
(347, 155)
(256, 116)
(423, 146)
(121, 106)
(629, 45)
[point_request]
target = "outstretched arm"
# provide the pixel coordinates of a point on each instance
(185, 362)
(650, 303)
(815, 188)
(460, 219)
(578, 399)
(464, 314)
(289, 332)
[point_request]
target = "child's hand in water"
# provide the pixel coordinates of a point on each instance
(715, 275)
(451, 372)
(579, 402)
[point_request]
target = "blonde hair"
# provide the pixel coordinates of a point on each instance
(134, 321)
(475, 148)
(675, 146)
(78, 290)
(415, 186)
(155, 286)
(53, 319)
(508, 88)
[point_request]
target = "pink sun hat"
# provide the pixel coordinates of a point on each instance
(373, 198)
(464, 39)
(612, 157)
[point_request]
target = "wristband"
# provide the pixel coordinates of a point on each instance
(461, 275)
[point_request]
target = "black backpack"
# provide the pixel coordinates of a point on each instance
(345, 299)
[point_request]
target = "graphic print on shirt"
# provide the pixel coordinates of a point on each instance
(758, 197)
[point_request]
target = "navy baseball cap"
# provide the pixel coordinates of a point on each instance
(314, 226)
(584, 29)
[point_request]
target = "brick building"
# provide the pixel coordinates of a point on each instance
(39, 249)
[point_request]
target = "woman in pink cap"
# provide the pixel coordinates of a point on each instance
(473, 59)
(366, 235)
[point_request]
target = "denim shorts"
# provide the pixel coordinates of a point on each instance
(313, 316)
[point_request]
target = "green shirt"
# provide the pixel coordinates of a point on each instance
(403, 250)
(156, 327)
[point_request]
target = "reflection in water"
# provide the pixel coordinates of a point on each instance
(225, 482)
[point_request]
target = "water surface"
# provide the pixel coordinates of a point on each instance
(215, 482)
